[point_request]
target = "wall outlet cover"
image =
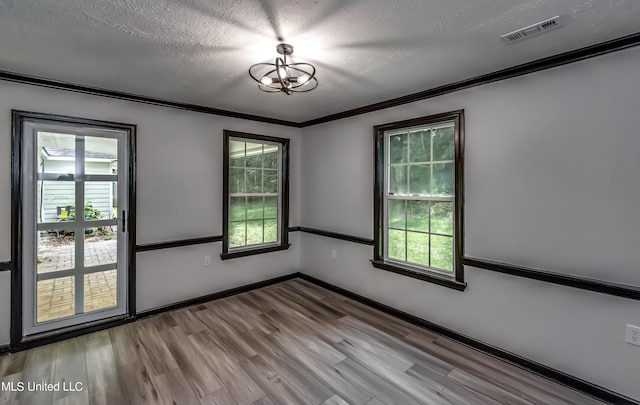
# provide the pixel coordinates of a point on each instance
(633, 335)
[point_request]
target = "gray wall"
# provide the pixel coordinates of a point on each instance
(179, 193)
(551, 172)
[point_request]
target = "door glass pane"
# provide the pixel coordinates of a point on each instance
(100, 155)
(56, 153)
(418, 248)
(55, 299)
(100, 200)
(56, 201)
(398, 149)
(420, 179)
(101, 246)
(442, 252)
(418, 216)
(397, 247)
(420, 150)
(443, 144)
(56, 251)
(100, 290)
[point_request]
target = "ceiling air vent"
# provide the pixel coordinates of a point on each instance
(533, 30)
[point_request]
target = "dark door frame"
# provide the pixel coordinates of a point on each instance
(17, 340)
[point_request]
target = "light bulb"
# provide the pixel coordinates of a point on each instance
(266, 80)
(283, 73)
(303, 79)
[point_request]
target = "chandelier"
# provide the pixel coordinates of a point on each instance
(282, 76)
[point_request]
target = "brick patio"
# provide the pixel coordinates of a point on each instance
(56, 297)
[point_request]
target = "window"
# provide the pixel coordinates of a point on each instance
(256, 194)
(418, 198)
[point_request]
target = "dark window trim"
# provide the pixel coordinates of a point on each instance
(284, 198)
(457, 281)
(18, 120)
(431, 277)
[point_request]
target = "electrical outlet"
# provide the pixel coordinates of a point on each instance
(633, 335)
(334, 254)
(207, 261)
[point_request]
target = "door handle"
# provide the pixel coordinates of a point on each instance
(124, 221)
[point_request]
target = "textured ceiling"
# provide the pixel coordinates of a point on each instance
(365, 51)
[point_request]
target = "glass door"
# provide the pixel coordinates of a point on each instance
(74, 239)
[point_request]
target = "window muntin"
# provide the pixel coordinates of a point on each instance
(255, 193)
(419, 196)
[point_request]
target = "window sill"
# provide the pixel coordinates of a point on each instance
(424, 276)
(251, 252)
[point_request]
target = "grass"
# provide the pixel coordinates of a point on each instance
(419, 246)
(250, 227)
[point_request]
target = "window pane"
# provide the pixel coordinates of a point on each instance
(397, 217)
(420, 179)
(397, 247)
(270, 181)
(270, 157)
(443, 179)
(254, 180)
(442, 218)
(237, 208)
(254, 155)
(398, 180)
(271, 207)
(237, 234)
(442, 252)
(443, 142)
(236, 153)
(236, 181)
(418, 248)
(420, 146)
(254, 208)
(270, 230)
(254, 232)
(398, 148)
(418, 216)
